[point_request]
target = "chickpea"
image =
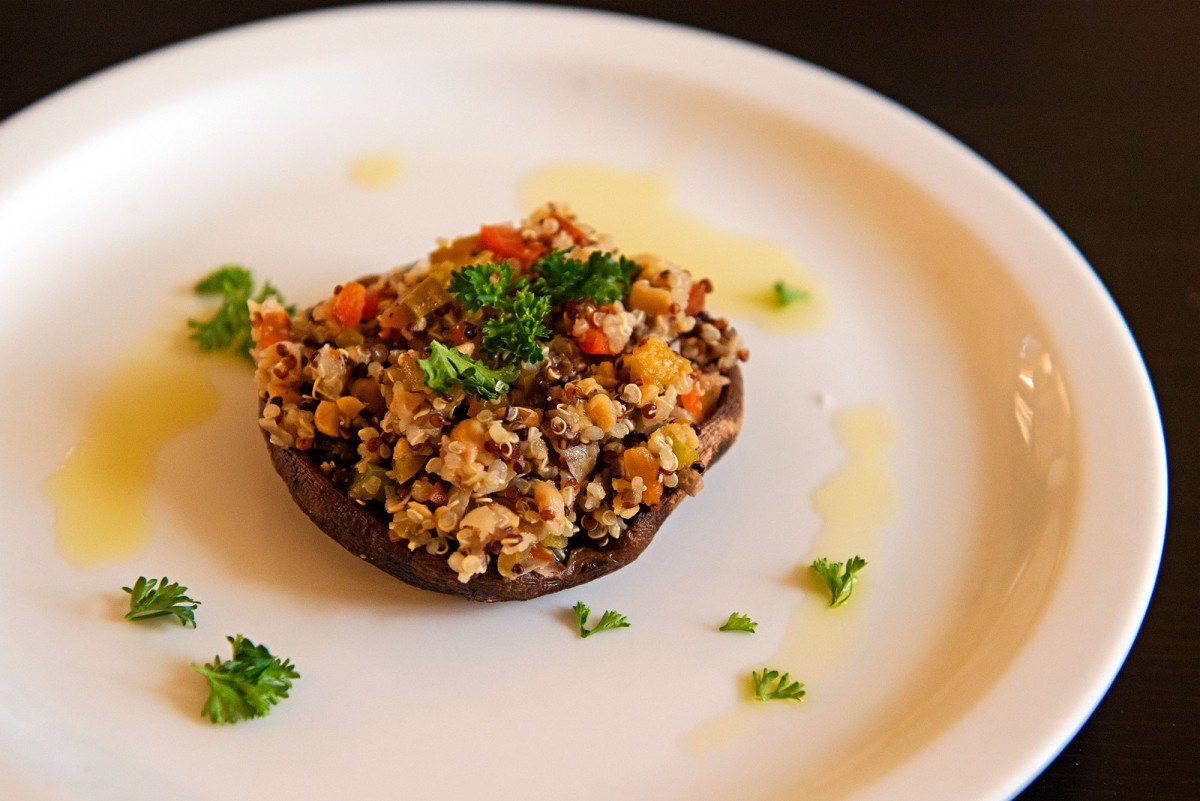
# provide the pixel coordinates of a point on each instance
(550, 507)
(472, 435)
(601, 412)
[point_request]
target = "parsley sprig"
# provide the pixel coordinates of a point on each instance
(512, 335)
(246, 686)
(784, 689)
(480, 286)
(609, 620)
(513, 313)
(602, 278)
(513, 309)
(512, 327)
(839, 580)
(786, 295)
(447, 367)
(151, 598)
(739, 622)
(229, 328)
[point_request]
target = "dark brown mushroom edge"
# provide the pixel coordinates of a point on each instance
(514, 415)
(363, 530)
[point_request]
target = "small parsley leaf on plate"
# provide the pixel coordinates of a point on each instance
(739, 622)
(839, 581)
(609, 620)
(151, 598)
(786, 295)
(784, 689)
(229, 328)
(246, 686)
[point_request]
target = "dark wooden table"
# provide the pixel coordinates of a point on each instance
(1093, 108)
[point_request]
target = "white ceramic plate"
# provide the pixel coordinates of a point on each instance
(1005, 584)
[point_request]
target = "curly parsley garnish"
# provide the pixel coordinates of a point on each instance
(151, 598)
(513, 314)
(739, 622)
(787, 295)
(784, 688)
(479, 286)
(229, 328)
(246, 686)
(609, 620)
(514, 307)
(602, 279)
(447, 367)
(514, 332)
(840, 581)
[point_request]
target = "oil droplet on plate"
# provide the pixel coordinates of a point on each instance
(854, 503)
(376, 170)
(101, 492)
(641, 210)
(857, 500)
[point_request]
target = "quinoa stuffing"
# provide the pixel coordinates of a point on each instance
(518, 393)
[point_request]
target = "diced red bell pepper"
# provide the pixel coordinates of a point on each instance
(370, 306)
(696, 298)
(505, 241)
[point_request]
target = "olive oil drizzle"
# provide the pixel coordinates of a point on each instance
(101, 492)
(641, 210)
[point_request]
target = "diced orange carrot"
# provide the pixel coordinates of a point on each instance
(275, 326)
(348, 304)
(693, 402)
(595, 342)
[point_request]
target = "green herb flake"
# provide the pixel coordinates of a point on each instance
(246, 686)
(229, 329)
(609, 620)
(739, 622)
(784, 690)
(151, 598)
(840, 581)
(787, 295)
(445, 368)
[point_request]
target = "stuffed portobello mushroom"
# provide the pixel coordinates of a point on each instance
(513, 415)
